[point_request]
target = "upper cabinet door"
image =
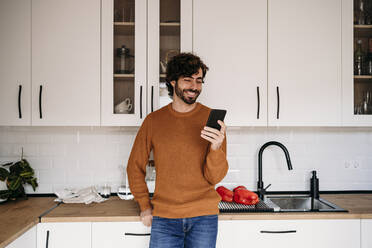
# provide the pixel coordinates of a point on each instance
(231, 38)
(15, 62)
(304, 62)
(66, 62)
(356, 63)
(169, 29)
(124, 42)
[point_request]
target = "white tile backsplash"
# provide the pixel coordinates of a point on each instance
(85, 156)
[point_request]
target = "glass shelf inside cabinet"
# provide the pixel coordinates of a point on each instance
(169, 45)
(123, 55)
(362, 57)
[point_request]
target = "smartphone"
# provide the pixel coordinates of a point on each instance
(214, 116)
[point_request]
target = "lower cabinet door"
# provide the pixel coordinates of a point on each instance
(261, 233)
(366, 233)
(64, 235)
(28, 239)
(341, 233)
(120, 234)
(289, 233)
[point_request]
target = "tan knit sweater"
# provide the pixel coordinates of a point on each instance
(186, 168)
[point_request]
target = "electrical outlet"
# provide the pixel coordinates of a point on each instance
(347, 164)
(355, 164)
(352, 164)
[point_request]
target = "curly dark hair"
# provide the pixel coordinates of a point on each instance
(183, 65)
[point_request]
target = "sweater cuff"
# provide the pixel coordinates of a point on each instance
(144, 203)
(216, 153)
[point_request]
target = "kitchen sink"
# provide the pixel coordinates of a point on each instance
(300, 203)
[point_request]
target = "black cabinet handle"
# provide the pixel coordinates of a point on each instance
(47, 240)
(152, 98)
(40, 109)
(137, 234)
(258, 102)
(19, 102)
(289, 231)
(278, 102)
(141, 101)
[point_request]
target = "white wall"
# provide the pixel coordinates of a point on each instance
(84, 156)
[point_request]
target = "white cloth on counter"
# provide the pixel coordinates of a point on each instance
(86, 195)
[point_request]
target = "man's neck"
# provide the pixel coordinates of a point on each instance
(182, 107)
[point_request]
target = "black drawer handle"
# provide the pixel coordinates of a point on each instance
(137, 234)
(152, 98)
(141, 101)
(47, 240)
(258, 102)
(19, 102)
(40, 109)
(289, 231)
(278, 105)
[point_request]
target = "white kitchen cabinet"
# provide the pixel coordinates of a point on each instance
(304, 63)
(169, 26)
(278, 48)
(131, 85)
(15, 62)
(148, 30)
(232, 41)
(62, 235)
(356, 105)
(65, 62)
(28, 239)
(366, 230)
(289, 233)
(120, 234)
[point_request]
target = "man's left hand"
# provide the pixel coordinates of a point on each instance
(214, 136)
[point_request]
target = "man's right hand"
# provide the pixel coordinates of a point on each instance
(146, 217)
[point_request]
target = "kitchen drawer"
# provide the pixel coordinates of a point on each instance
(244, 233)
(62, 235)
(120, 234)
(289, 233)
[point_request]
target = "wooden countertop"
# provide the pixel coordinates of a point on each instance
(114, 209)
(16, 217)
(359, 206)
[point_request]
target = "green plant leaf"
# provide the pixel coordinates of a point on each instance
(25, 162)
(15, 168)
(14, 185)
(33, 183)
(7, 164)
(27, 174)
(4, 194)
(20, 173)
(3, 174)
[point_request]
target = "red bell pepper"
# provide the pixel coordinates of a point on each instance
(226, 194)
(244, 196)
(239, 187)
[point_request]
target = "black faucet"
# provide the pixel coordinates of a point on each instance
(260, 185)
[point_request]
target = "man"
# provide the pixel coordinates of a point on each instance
(190, 159)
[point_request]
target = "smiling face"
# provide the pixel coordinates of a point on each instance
(188, 88)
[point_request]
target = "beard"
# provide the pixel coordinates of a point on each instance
(183, 94)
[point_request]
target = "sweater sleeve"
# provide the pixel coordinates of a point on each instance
(136, 168)
(216, 166)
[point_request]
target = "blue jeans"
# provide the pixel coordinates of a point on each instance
(194, 232)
